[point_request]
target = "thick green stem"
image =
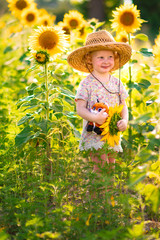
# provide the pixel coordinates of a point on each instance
(47, 92)
(130, 103)
(47, 109)
(48, 153)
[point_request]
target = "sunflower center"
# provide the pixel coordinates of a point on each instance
(45, 23)
(127, 18)
(48, 40)
(30, 17)
(124, 39)
(40, 57)
(81, 31)
(21, 4)
(66, 30)
(73, 23)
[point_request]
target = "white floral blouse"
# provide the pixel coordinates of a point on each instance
(91, 90)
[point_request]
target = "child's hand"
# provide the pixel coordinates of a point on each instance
(122, 125)
(100, 117)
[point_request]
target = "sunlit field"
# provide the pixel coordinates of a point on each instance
(47, 184)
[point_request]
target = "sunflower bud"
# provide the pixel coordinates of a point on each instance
(42, 57)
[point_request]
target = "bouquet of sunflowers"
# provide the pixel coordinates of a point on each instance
(110, 131)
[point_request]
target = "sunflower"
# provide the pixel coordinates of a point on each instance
(156, 50)
(42, 12)
(73, 19)
(29, 17)
(65, 28)
(17, 6)
(121, 37)
(2, 24)
(110, 130)
(126, 18)
(15, 29)
(79, 35)
(41, 57)
(83, 31)
(46, 20)
(50, 39)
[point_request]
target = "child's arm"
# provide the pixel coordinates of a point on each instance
(122, 124)
(83, 112)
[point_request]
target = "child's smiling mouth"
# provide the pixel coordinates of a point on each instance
(105, 66)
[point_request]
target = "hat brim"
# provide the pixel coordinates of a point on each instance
(77, 61)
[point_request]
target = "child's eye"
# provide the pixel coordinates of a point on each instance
(99, 109)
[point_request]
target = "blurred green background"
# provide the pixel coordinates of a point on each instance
(102, 10)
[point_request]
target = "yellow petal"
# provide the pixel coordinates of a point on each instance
(112, 201)
(87, 222)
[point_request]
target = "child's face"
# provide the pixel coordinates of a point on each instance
(102, 61)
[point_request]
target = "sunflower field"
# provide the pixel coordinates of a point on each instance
(47, 187)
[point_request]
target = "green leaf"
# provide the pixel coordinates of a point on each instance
(43, 125)
(25, 99)
(8, 49)
(143, 118)
(67, 107)
(24, 55)
(137, 231)
(24, 136)
(155, 142)
(76, 132)
(133, 85)
(24, 119)
(71, 115)
(4, 235)
(152, 194)
(57, 105)
(142, 37)
(145, 155)
(59, 115)
(146, 52)
(49, 235)
(144, 83)
(67, 93)
(32, 103)
(138, 177)
(59, 70)
(134, 61)
(32, 87)
(99, 24)
(31, 69)
(63, 61)
(36, 221)
(92, 23)
(149, 102)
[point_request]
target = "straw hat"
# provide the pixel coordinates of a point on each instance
(100, 40)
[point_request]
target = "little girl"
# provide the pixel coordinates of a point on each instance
(100, 55)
